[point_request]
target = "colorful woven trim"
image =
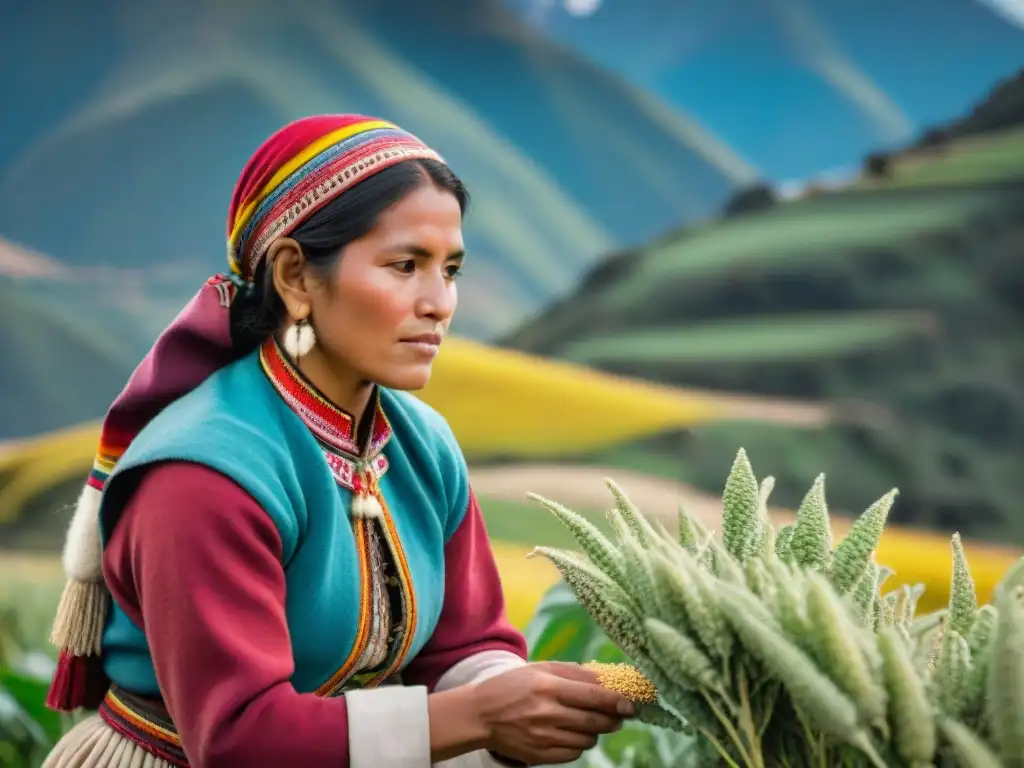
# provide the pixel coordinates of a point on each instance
(317, 174)
(332, 426)
(112, 447)
(144, 722)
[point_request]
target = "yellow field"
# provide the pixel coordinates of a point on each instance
(497, 402)
(926, 558)
(504, 402)
(523, 581)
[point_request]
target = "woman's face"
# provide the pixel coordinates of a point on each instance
(392, 295)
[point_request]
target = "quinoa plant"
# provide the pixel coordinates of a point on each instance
(780, 647)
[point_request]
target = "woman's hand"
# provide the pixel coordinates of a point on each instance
(546, 713)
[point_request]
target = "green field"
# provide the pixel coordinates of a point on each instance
(797, 337)
(802, 231)
(995, 158)
(531, 524)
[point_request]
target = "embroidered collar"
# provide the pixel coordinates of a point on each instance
(332, 426)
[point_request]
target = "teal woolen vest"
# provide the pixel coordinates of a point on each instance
(238, 424)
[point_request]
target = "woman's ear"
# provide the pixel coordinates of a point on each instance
(290, 276)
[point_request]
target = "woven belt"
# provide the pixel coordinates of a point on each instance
(144, 722)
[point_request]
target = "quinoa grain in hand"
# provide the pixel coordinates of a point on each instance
(624, 680)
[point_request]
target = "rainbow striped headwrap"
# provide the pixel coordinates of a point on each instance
(294, 173)
(301, 168)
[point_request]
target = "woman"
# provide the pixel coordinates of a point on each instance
(299, 571)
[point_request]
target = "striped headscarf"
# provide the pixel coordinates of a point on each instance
(293, 174)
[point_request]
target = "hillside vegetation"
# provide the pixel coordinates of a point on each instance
(896, 300)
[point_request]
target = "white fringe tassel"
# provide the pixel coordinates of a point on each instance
(78, 626)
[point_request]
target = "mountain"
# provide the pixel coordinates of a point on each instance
(127, 124)
(70, 337)
(58, 369)
(811, 84)
(895, 299)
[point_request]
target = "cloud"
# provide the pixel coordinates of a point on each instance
(1011, 11)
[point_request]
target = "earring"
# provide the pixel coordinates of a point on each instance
(299, 339)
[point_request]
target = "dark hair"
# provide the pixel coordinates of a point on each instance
(259, 311)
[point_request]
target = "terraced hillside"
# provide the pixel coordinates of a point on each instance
(896, 299)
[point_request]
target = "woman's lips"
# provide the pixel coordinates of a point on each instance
(428, 344)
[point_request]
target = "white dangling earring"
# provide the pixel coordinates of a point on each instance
(299, 339)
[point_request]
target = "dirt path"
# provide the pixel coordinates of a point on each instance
(768, 410)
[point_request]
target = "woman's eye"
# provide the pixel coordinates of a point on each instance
(407, 267)
(453, 271)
